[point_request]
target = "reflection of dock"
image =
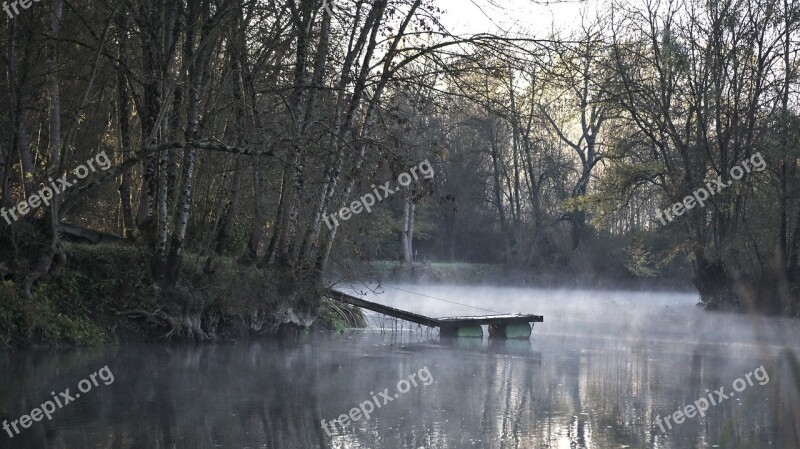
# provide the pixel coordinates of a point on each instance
(503, 326)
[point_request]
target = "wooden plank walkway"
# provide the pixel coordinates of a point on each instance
(386, 310)
(497, 321)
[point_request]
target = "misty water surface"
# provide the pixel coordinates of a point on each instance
(595, 374)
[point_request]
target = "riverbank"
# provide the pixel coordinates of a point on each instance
(106, 294)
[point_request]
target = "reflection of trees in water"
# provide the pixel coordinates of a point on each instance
(627, 388)
(198, 397)
(491, 395)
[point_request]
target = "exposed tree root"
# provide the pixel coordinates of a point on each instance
(183, 315)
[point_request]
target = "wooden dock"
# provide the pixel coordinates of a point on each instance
(501, 326)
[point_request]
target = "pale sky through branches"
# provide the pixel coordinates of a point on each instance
(515, 16)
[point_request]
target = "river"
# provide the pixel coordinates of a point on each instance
(603, 371)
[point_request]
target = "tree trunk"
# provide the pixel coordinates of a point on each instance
(52, 81)
(3, 178)
(196, 77)
(150, 109)
(124, 137)
(182, 217)
(498, 196)
(291, 184)
(226, 227)
(20, 130)
(52, 214)
(257, 233)
(408, 229)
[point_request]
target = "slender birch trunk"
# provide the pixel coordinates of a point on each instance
(409, 208)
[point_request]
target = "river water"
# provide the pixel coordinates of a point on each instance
(598, 373)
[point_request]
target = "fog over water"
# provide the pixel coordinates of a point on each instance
(595, 374)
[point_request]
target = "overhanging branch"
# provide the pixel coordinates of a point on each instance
(140, 155)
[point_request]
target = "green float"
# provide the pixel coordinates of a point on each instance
(510, 331)
(518, 330)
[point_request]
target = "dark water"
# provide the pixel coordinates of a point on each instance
(595, 374)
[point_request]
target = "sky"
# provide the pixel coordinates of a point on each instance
(490, 16)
